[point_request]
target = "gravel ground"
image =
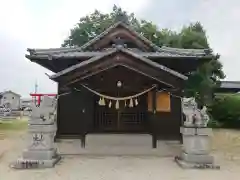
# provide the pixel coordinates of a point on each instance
(111, 157)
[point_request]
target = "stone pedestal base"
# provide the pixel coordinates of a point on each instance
(39, 154)
(200, 158)
(196, 148)
(194, 165)
(32, 164)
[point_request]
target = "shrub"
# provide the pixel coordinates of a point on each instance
(226, 110)
(214, 123)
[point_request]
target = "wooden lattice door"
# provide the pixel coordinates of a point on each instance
(124, 119)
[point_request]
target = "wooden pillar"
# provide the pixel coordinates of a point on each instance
(154, 111)
(180, 94)
(57, 120)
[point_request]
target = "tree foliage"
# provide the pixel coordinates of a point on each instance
(226, 110)
(193, 36)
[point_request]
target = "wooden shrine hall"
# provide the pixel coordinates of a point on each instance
(120, 82)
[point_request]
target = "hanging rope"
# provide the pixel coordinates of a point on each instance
(118, 98)
(63, 94)
(132, 99)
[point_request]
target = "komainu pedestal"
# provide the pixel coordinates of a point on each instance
(196, 148)
(41, 151)
(196, 138)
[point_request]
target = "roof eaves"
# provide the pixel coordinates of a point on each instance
(53, 50)
(93, 59)
(72, 68)
(148, 61)
(189, 52)
(230, 84)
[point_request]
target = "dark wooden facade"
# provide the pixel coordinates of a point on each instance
(119, 54)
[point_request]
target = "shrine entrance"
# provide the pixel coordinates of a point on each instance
(122, 120)
(120, 102)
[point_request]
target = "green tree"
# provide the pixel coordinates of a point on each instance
(226, 110)
(200, 83)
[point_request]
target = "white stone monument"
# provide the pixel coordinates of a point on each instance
(196, 137)
(41, 151)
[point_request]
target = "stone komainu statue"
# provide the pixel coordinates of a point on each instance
(41, 150)
(46, 111)
(194, 116)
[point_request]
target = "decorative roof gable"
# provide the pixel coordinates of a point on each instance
(117, 30)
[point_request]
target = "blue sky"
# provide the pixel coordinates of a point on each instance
(46, 23)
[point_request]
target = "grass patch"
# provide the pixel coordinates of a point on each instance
(16, 124)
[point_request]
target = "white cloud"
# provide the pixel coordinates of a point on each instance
(222, 22)
(13, 18)
(40, 24)
(45, 24)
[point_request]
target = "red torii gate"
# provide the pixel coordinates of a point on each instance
(39, 95)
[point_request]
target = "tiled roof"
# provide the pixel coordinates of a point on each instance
(80, 51)
(81, 54)
(230, 85)
(96, 58)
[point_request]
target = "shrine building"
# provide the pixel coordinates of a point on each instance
(120, 82)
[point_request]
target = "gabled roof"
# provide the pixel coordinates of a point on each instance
(42, 53)
(4, 92)
(120, 24)
(123, 50)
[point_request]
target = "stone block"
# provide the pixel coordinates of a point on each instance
(41, 141)
(196, 140)
(188, 165)
(200, 158)
(195, 144)
(39, 121)
(187, 131)
(39, 154)
(41, 137)
(35, 128)
(32, 164)
(204, 131)
(38, 111)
